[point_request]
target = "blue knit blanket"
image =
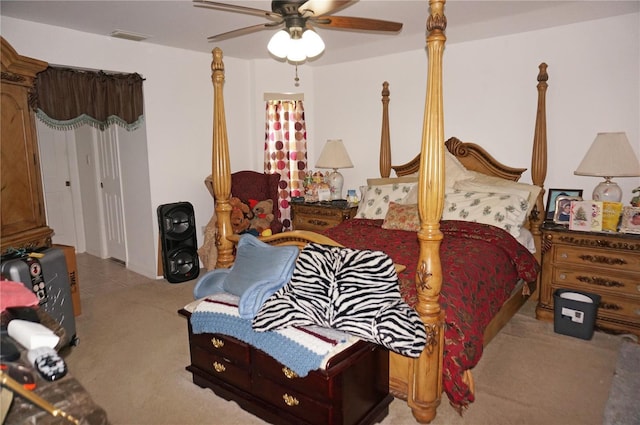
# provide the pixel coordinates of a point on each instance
(301, 349)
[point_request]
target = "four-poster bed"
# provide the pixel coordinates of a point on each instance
(418, 380)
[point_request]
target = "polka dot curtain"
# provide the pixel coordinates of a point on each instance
(285, 151)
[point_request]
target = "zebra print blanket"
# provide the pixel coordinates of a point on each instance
(354, 291)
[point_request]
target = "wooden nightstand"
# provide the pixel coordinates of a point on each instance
(320, 215)
(607, 264)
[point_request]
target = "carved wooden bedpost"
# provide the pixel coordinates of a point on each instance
(220, 165)
(385, 138)
(539, 156)
(425, 389)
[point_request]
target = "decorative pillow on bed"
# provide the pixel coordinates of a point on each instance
(376, 199)
(354, 291)
(504, 210)
(484, 183)
(258, 271)
(402, 217)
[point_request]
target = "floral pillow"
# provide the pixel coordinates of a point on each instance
(504, 210)
(402, 217)
(376, 199)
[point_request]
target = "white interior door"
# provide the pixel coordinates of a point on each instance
(110, 184)
(53, 147)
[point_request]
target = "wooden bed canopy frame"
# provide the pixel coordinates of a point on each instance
(419, 381)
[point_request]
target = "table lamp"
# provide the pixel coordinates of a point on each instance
(610, 155)
(334, 155)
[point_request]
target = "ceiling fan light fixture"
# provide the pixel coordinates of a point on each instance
(297, 51)
(313, 43)
(279, 44)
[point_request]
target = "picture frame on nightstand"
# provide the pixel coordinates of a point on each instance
(630, 220)
(552, 200)
(562, 209)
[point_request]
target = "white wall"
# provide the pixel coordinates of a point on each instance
(490, 98)
(178, 98)
(489, 88)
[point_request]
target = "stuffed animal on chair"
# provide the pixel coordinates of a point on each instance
(262, 216)
(241, 216)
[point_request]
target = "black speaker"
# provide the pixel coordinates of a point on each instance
(177, 225)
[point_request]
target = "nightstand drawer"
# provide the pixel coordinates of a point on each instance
(614, 260)
(611, 307)
(596, 280)
(320, 216)
(313, 223)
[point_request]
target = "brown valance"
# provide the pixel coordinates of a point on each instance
(67, 98)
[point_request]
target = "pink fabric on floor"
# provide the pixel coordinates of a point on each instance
(15, 294)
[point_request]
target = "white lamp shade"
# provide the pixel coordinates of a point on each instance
(313, 43)
(279, 44)
(296, 51)
(610, 155)
(334, 155)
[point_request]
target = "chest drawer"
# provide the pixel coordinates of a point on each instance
(221, 368)
(315, 384)
(222, 346)
(308, 409)
(613, 260)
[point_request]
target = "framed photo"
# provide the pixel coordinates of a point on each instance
(562, 209)
(630, 220)
(552, 197)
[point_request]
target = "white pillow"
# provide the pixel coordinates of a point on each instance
(504, 210)
(484, 183)
(376, 199)
(454, 171)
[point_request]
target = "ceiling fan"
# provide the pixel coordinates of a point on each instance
(298, 17)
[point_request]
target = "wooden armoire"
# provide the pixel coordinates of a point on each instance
(23, 219)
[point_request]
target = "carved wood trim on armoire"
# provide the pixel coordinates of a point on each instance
(23, 218)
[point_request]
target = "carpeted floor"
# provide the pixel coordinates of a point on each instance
(133, 350)
(623, 406)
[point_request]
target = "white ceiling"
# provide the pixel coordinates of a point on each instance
(178, 23)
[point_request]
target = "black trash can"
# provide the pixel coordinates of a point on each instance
(575, 313)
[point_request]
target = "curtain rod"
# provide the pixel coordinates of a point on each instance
(283, 96)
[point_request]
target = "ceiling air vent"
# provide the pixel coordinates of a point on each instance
(128, 35)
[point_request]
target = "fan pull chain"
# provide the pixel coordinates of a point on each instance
(297, 80)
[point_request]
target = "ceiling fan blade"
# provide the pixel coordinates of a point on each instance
(323, 7)
(236, 8)
(352, 23)
(244, 31)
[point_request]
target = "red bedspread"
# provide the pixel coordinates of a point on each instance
(481, 265)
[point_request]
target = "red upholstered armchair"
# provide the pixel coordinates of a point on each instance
(254, 185)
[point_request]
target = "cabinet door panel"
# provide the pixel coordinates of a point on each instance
(21, 185)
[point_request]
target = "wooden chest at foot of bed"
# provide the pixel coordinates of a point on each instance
(354, 388)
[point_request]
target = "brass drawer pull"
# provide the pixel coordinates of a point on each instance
(289, 373)
(318, 222)
(563, 276)
(603, 259)
(218, 343)
(219, 367)
(564, 255)
(290, 400)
